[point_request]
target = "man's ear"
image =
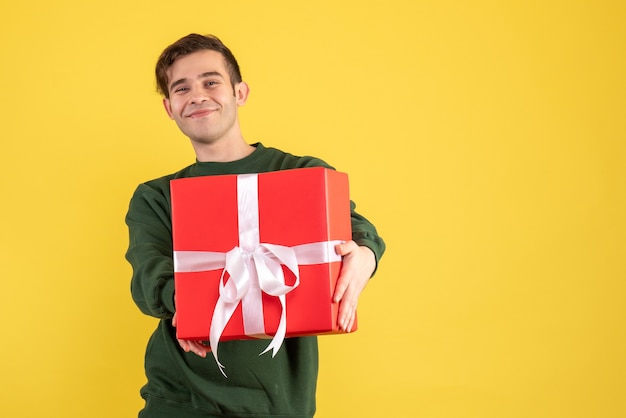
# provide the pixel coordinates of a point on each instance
(168, 108)
(242, 90)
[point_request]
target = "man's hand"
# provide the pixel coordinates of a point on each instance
(358, 265)
(190, 345)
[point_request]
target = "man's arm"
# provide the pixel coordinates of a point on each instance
(150, 252)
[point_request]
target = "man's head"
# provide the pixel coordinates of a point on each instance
(188, 45)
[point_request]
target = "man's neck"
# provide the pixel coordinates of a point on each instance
(222, 151)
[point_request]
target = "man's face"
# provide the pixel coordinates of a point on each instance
(202, 100)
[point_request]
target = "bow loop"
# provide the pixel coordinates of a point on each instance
(269, 259)
(235, 288)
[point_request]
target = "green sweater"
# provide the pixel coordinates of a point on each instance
(182, 384)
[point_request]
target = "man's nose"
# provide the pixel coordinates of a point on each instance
(199, 96)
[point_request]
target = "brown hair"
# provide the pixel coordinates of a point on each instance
(188, 45)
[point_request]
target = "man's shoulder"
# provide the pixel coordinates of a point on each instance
(161, 185)
(283, 160)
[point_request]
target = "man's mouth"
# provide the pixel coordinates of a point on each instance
(200, 113)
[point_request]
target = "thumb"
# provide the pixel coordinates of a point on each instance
(345, 247)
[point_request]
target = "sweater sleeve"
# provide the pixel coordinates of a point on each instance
(364, 234)
(150, 252)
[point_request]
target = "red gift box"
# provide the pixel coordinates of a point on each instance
(254, 254)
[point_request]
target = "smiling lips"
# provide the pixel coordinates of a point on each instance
(200, 113)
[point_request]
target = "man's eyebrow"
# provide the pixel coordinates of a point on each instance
(211, 74)
(203, 75)
(177, 83)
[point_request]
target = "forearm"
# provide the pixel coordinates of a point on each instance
(150, 253)
(152, 283)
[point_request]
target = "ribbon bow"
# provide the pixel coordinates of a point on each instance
(252, 273)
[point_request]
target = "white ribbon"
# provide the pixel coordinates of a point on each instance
(254, 268)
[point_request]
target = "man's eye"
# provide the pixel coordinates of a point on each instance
(180, 89)
(210, 83)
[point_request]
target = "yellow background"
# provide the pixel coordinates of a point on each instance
(486, 140)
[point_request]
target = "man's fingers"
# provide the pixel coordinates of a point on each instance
(198, 348)
(195, 347)
(184, 344)
(347, 315)
(340, 289)
(343, 250)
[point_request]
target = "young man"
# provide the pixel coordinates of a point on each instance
(202, 88)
